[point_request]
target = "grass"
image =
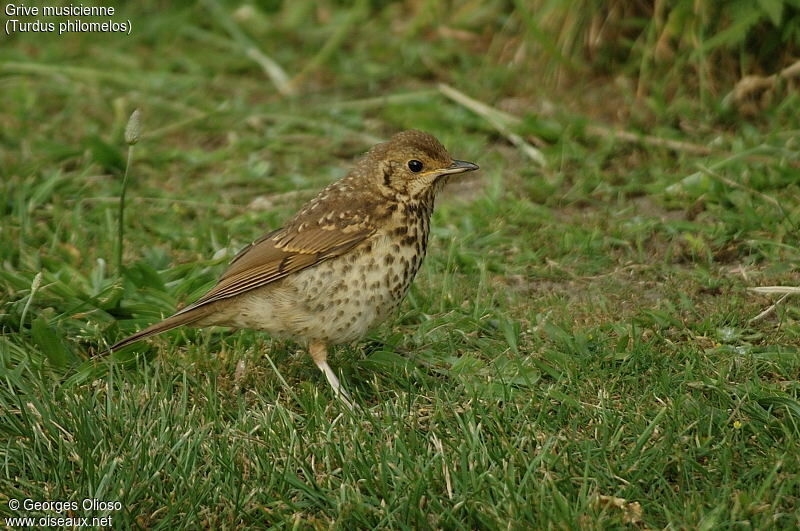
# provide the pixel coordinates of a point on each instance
(579, 349)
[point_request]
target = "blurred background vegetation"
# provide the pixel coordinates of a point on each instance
(581, 347)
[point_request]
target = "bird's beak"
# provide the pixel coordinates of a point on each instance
(458, 166)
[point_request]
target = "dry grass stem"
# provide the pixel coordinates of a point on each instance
(757, 91)
(271, 68)
(648, 140)
(769, 310)
(782, 290)
(498, 119)
(733, 184)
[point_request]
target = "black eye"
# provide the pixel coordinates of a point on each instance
(415, 165)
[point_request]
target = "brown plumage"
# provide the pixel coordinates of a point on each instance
(342, 263)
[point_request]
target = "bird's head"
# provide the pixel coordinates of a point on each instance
(412, 165)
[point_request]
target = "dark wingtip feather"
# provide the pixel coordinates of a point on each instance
(167, 324)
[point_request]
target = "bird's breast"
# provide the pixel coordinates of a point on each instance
(341, 299)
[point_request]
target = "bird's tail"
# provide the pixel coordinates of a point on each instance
(179, 319)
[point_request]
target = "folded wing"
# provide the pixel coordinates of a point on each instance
(279, 254)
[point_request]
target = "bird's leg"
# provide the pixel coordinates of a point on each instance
(319, 353)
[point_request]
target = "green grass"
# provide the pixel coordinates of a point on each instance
(579, 349)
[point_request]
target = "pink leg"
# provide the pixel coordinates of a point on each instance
(319, 353)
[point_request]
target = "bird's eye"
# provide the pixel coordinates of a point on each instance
(415, 165)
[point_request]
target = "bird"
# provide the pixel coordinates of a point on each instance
(341, 265)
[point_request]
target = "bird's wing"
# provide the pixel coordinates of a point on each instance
(278, 254)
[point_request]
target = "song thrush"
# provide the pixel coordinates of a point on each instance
(342, 263)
